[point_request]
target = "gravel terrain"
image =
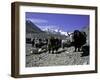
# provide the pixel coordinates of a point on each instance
(64, 57)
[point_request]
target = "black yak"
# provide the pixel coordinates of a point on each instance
(79, 39)
(54, 44)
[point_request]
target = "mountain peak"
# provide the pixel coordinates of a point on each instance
(31, 27)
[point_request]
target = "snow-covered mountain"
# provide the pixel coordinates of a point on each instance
(56, 31)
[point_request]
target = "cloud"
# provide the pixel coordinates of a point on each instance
(37, 21)
(50, 27)
(63, 33)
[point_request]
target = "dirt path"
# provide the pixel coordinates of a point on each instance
(67, 57)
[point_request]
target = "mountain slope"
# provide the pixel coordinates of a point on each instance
(32, 28)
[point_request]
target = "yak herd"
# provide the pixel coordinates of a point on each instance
(53, 43)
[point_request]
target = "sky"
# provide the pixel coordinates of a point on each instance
(64, 22)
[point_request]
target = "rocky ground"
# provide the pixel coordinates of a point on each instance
(64, 57)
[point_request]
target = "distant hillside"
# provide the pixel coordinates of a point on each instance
(32, 28)
(86, 29)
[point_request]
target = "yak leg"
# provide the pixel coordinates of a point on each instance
(75, 48)
(79, 48)
(57, 49)
(53, 49)
(49, 50)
